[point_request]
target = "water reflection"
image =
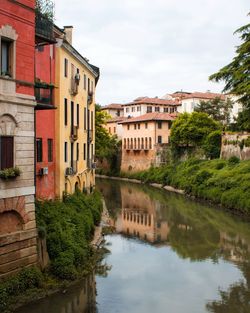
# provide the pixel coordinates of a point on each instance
(194, 231)
(79, 298)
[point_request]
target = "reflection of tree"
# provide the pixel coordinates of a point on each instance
(194, 243)
(236, 299)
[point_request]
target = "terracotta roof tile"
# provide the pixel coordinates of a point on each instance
(150, 117)
(116, 119)
(157, 101)
(112, 106)
(205, 95)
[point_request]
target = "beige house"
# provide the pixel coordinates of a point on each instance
(113, 109)
(144, 105)
(144, 139)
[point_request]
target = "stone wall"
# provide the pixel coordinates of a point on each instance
(137, 160)
(236, 144)
(18, 235)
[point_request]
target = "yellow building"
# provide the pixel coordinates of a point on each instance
(75, 84)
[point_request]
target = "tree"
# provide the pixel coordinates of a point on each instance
(106, 146)
(217, 109)
(236, 74)
(191, 129)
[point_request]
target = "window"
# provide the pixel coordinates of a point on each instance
(138, 126)
(92, 86)
(132, 109)
(157, 109)
(149, 109)
(109, 130)
(84, 151)
(165, 110)
(66, 63)
(92, 151)
(114, 130)
(127, 110)
(88, 84)
(138, 108)
(84, 81)
(118, 113)
(134, 126)
(77, 151)
(150, 143)
(72, 113)
(65, 112)
(128, 127)
(85, 118)
(92, 120)
(159, 125)
(65, 152)
(50, 150)
(6, 152)
(6, 62)
(39, 150)
(77, 114)
(159, 139)
(146, 125)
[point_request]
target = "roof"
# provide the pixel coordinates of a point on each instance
(116, 106)
(146, 100)
(116, 119)
(150, 117)
(205, 95)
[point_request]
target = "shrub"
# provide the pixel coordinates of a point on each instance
(233, 160)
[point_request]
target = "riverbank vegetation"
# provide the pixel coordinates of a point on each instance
(68, 227)
(223, 182)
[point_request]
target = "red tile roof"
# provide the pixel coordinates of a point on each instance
(150, 117)
(146, 100)
(205, 95)
(116, 106)
(116, 119)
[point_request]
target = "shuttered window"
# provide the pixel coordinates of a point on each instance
(6, 152)
(39, 150)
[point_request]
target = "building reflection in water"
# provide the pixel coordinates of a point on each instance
(140, 217)
(80, 298)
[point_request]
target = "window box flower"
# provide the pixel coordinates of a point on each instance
(9, 173)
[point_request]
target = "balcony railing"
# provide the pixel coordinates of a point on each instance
(90, 135)
(44, 95)
(44, 29)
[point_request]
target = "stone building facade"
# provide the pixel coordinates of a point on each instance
(18, 235)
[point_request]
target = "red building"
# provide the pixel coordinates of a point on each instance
(45, 122)
(45, 109)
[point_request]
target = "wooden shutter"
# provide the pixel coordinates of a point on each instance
(7, 152)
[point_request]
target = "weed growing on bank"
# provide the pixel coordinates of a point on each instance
(224, 182)
(68, 227)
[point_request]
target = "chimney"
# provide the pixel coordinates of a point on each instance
(68, 33)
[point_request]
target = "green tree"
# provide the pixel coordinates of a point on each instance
(106, 146)
(191, 131)
(216, 108)
(236, 74)
(242, 122)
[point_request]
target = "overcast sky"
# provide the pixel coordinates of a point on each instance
(150, 48)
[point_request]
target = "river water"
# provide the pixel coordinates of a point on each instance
(168, 254)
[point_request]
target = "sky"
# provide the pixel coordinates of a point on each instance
(151, 48)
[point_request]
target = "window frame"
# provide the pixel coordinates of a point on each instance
(39, 150)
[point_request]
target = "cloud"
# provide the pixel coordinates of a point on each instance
(153, 47)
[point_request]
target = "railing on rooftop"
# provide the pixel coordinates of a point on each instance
(44, 28)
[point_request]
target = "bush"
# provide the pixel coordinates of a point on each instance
(68, 227)
(233, 160)
(28, 278)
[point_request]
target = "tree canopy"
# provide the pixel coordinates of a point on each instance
(237, 73)
(106, 146)
(216, 108)
(193, 130)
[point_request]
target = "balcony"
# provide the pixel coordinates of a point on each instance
(44, 29)
(90, 97)
(91, 164)
(44, 96)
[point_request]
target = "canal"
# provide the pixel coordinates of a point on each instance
(168, 254)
